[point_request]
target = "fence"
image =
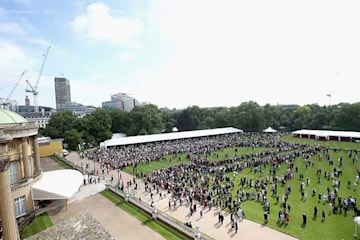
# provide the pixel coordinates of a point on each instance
(172, 222)
(80, 168)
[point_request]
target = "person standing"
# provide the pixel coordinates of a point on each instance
(287, 218)
(323, 215)
(315, 212)
(304, 219)
(266, 217)
(236, 226)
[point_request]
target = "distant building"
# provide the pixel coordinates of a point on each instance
(41, 119)
(77, 108)
(27, 101)
(121, 101)
(8, 104)
(62, 92)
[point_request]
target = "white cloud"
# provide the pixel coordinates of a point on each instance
(12, 57)
(11, 28)
(127, 56)
(270, 52)
(97, 23)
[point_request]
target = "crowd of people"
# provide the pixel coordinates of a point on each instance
(208, 183)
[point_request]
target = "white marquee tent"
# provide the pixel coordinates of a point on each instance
(327, 134)
(357, 222)
(168, 136)
(269, 130)
(58, 184)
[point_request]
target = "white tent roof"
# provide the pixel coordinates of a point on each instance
(269, 130)
(168, 136)
(327, 133)
(58, 184)
(357, 220)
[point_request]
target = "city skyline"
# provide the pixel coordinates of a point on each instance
(182, 53)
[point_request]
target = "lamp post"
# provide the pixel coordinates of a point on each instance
(154, 211)
(94, 167)
(118, 171)
(127, 194)
(198, 233)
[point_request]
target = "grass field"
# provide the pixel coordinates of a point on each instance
(159, 227)
(171, 160)
(155, 165)
(61, 163)
(335, 227)
(39, 224)
(315, 228)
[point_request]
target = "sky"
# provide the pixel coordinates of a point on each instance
(181, 53)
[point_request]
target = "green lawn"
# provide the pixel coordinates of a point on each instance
(61, 163)
(227, 153)
(159, 227)
(315, 229)
(39, 224)
(155, 165)
(336, 226)
(171, 160)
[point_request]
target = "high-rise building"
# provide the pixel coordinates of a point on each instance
(62, 92)
(121, 101)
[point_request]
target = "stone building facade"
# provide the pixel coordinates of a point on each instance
(19, 170)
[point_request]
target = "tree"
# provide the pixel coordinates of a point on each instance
(59, 123)
(272, 116)
(73, 138)
(302, 116)
(168, 119)
(249, 116)
(222, 117)
(185, 122)
(98, 125)
(145, 117)
(348, 117)
(119, 121)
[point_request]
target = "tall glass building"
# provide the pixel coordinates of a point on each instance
(62, 92)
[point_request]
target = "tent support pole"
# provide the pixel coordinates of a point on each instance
(66, 204)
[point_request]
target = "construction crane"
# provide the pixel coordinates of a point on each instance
(33, 89)
(7, 100)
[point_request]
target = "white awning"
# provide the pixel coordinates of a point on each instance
(357, 220)
(270, 130)
(58, 184)
(168, 136)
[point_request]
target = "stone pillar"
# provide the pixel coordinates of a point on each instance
(7, 209)
(36, 154)
(25, 158)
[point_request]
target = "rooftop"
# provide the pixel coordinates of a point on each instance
(9, 117)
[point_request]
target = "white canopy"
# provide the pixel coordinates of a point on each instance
(58, 184)
(328, 133)
(168, 136)
(270, 130)
(357, 222)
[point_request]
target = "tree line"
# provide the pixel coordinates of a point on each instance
(248, 116)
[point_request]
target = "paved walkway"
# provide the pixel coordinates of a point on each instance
(208, 224)
(113, 219)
